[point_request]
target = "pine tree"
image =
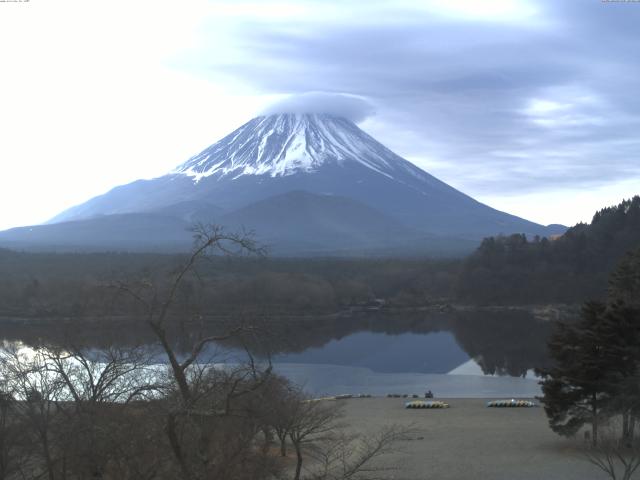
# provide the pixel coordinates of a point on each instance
(596, 371)
(575, 390)
(624, 282)
(622, 321)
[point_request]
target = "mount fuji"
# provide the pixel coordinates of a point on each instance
(306, 184)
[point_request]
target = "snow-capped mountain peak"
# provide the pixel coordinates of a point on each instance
(285, 144)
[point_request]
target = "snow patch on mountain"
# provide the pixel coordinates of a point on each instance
(286, 144)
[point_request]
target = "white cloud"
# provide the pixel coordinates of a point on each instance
(484, 10)
(538, 107)
(568, 107)
(565, 205)
(353, 107)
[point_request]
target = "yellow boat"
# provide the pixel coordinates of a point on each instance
(426, 404)
(511, 403)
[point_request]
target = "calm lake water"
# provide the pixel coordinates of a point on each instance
(384, 353)
(408, 363)
(460, 354)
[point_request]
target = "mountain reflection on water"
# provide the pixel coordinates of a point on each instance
(501, 342)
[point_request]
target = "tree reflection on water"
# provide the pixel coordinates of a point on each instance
(508, 342)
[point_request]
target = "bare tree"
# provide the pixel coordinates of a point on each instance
(203, 394)
(110, 375)
(280, 402)
(353, 456)
(157, 305)
(76, 406)
(334, 453)
(311, 422)
(36, 393)
(96, 385)
(14, 452)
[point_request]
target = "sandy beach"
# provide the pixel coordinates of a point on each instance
(471, 441)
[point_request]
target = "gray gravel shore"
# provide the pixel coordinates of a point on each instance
(471, 441)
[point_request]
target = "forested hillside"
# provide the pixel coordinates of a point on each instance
(570, 268)
(504, 270)
(39, 284)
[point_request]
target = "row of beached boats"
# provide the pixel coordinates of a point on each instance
(432, 403)
(493, 403)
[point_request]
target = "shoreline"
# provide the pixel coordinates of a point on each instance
(547, 312)
(323, 380)
(470, 440)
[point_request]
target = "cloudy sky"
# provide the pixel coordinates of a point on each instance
(530, 106)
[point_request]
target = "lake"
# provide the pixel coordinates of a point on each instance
(474, 353)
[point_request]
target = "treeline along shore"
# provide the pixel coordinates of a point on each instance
(504, 270)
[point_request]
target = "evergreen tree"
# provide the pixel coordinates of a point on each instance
(575, 389)
(622, 321)
(596, 371)
(624, 283)
(620, 332)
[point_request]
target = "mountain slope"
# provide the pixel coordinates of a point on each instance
(317, 223)
(131, 231)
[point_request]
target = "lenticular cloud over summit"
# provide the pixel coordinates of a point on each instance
(351, 107)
